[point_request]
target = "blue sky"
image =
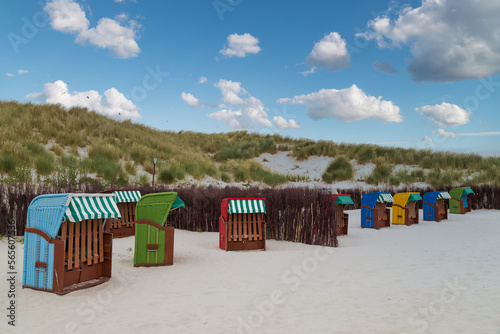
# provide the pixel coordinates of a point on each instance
(410, 74)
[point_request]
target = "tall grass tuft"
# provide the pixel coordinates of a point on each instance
(381, 172)
(251, 170)
(45, 164)
(130, 168)
(171, 174)
(7, 163)
(365, 154)
(338, 170)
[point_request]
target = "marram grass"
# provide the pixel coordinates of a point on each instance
(37, 140)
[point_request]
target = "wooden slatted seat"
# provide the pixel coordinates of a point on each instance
(241, 224)
(126, 200)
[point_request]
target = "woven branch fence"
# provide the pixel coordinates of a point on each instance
(293, 214)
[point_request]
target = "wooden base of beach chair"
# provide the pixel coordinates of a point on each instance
(122, 232)
(124, 226)
(407, 215)
(441, 210)
(82, 256)
(458, 207)
(246, 244)
(342, 220)
(244, 231)
(382, 216)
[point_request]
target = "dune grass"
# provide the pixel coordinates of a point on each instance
(381, 173)
(364, 153)
(47, 140)
(338, 170)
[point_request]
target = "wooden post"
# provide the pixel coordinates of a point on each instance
(154, 170)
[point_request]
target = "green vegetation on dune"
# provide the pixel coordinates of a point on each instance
(48, 143)
(42, 137)
(364, 153)
(381, 173)
(339, 169)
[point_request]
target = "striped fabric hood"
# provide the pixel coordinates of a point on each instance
(246, 206)
(91, 206)
(127, 196)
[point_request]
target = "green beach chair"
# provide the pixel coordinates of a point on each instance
(458, 201)
(154, 239)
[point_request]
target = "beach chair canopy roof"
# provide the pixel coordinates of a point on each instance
(47, 212)
(403, 198)
(178, 203)
(414, 197)
(385, 198)
(443, 195)
(91, 206)
(155, 207)
(468, 191)
(433, 196)
(242, 205)
(370, 199)
(343, 199)
(247, 206)
(459, 192)
(127, 196)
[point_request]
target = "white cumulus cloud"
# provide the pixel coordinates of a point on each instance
(238, 109)
(232, 118)
(348, 105)
(445, 114)
(118, 35)
(330, 52)
(191, 100)
(110, 34)
(444, 133)
(66, 16)
(282, 123)
(9, 74)
(202, 80)
(114, 105)
(240, 45)
(231, 91)
(449, 40)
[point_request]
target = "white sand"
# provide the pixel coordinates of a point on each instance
(426, 278)
(313, 169)
(281, 162)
